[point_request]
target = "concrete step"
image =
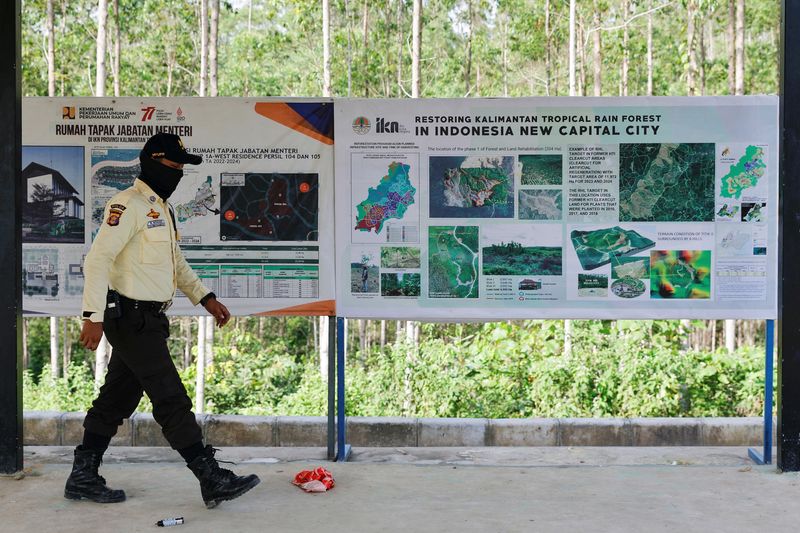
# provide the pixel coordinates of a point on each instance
(49, 428)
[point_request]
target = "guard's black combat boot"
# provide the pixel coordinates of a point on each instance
(218, 484)
(85, 482)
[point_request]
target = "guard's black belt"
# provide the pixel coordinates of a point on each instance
(158, 307)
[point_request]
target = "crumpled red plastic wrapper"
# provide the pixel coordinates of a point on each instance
(317, 480)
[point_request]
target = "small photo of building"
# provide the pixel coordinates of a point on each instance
(54, 206)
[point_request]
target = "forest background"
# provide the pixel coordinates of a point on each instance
(408, 49)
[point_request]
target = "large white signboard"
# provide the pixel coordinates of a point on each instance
(564, 208)
(255, 220)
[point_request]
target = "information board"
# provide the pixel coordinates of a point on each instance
(486, 209)
(254, 219)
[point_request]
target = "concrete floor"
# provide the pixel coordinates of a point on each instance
(423, 489)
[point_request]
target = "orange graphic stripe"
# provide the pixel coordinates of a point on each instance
(283, 114)
(321, 308)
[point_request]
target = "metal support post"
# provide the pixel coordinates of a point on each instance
(331, 387)
(10, 240)
(343, 450)
(765, 458)
(788, 435)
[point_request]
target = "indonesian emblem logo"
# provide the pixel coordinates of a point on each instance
(361, 125)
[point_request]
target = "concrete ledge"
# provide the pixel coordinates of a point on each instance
(302, 431)
(232, 430)
(381, 431)
(522, 432)
(45, 428)
(452, 431)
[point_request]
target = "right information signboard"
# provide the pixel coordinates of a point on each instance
(488, 209)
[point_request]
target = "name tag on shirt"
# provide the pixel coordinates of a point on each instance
(156, 223)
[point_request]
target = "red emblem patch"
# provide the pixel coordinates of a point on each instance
(153, 214)
(113, 216)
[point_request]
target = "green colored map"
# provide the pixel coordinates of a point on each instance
(453, 261)
(389, 199)
(745, 173)
(680, 274)
(666, 182)
(597, 248)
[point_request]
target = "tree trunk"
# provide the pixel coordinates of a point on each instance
(597, 58)
(468, 66)
(362, 337)
(200, 367)
(548, 44)
(701, 44)
(51, 51)
(186, 327)
(213, 42)
(326, 48)
(63, 31)
(505, 55)
(739, 47)
(730, 335)
(730, 35)
(383, 335)
(54, 347)
(571, 53)
(203, 46)
(650, 49)
(625, 51)
(691, 15)
(100, 73)
(25, 352)
(209, 340)
(117, 48)
(324, 332)
(365, 51)
(582, 60)
(400, 4)
(567, 338)
(416, 43)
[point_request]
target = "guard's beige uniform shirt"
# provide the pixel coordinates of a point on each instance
(136, 253)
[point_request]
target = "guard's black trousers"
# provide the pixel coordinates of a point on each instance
(140, 362)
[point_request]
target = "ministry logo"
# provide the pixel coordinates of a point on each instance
(361, 125)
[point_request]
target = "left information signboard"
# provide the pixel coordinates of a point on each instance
(252, 218)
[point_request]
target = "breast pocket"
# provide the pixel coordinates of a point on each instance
(156, 246)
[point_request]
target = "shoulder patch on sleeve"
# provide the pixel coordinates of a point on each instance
(114, 214)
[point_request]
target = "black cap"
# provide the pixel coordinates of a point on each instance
(169, 146)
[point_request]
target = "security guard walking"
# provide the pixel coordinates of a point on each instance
(131, 274)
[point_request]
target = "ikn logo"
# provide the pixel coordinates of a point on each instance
(147, 113)
(382, 126)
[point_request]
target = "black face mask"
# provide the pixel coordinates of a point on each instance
(161, 178)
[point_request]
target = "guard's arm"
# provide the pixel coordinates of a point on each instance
(120, 223)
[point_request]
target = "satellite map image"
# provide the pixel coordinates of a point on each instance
(269, 207)
(541, 169)
(471, 187)
(666, 182)
(453, 261)
(630, 267)
(597, 248)
(389, 199)
(540, 204)
(113, 170)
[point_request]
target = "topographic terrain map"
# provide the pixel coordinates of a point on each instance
(745, 173)
(390, 199)
(453, 261)
(597, 248)
(269, 207)
(666, 182)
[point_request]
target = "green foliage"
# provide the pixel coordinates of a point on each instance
(496, 370)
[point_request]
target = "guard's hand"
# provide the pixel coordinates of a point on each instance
(91, 333)
(218, 311)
